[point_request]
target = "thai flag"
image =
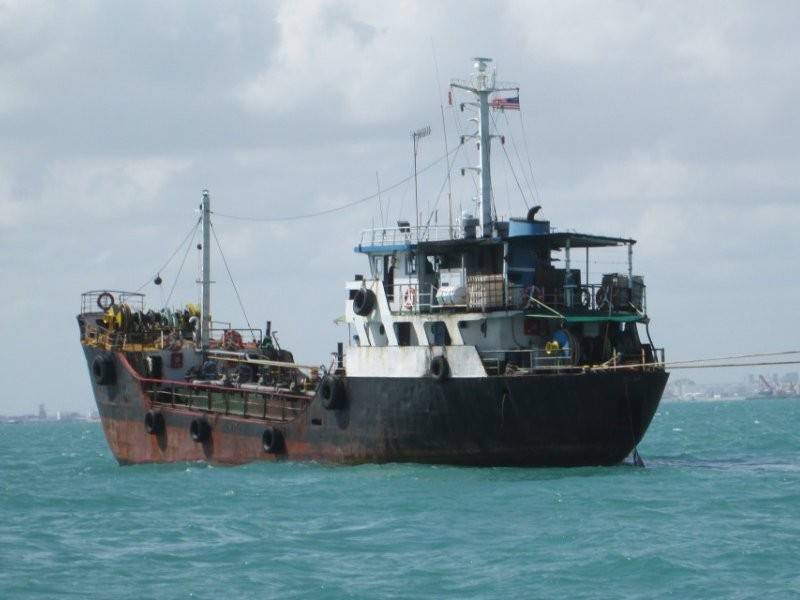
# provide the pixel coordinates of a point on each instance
(505, 103)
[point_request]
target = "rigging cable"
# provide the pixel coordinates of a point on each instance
(180, 269)
(444, 134)
(441, 189)
(513, 172)
(528, 154)
(519, 158)
(328, 211)
(233, 283)
(457, 121)
(166, 264)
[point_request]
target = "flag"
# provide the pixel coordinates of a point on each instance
(505, 103)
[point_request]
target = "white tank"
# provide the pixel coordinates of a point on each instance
(449, 296)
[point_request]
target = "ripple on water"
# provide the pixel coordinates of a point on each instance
(716, 514)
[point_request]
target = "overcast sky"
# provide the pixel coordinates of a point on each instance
(673, 123)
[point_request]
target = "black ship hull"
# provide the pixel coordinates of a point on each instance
(559, 419)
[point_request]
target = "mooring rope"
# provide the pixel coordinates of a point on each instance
(665, 365)
(735, 357)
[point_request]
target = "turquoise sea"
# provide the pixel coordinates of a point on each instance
(715, 514)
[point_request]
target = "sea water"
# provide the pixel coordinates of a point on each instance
(715, 514)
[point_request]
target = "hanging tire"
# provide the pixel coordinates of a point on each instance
(440, 369)
(331, 392)
(272, 440)
(363, 302)
(200, 430)
(154, 366)
(103, 370)
(154, 422)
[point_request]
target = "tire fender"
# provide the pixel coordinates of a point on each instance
(440, 368)
(332, 392)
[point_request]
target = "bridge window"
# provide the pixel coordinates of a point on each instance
(411, 263)
(437, 333)
(377, 334)
(405, 334)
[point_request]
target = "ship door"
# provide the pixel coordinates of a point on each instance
(403, 332)
(388, 277)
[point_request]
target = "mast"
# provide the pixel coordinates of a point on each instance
(483, 84)
(205, 307)
(416, 136)
(485, 164)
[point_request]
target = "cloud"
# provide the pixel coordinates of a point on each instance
(672, 123)
(367, 60)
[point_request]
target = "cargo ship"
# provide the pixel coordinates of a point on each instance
(480, 343)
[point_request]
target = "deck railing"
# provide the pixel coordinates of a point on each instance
(277, 405)
(486, 292)
(91, 300)
(499, 362)
(165, 338)
(393, 236)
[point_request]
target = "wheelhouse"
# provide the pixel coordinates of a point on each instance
(521, 296)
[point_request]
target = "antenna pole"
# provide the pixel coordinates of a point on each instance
(415, 137)
(444, 134)
(205, 307)
(380, 204)
(449, 184)
(416, 198)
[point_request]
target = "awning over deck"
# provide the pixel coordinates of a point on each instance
(598, 318)
(559, 240)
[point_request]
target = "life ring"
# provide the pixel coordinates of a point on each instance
(105, 301)
(103, 370)
(232, 339)
(272, 440)
(154, 422)
(200, 430)
(409, 298)
(440, 369)
(363, 302)
(331, 392)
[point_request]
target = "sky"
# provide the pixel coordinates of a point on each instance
(674, 123)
